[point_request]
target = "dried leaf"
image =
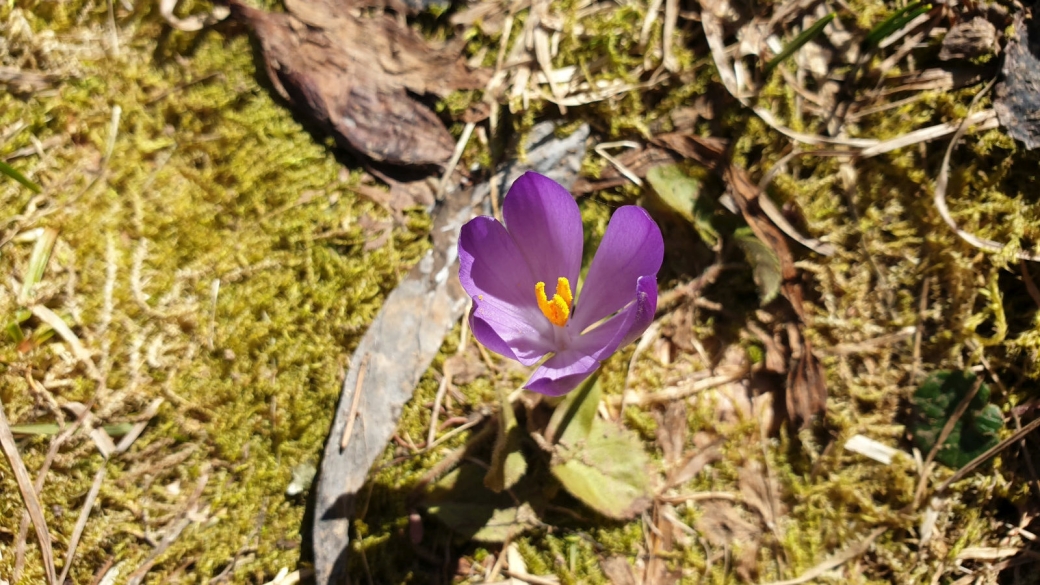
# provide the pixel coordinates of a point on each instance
(1018, 95)
(671, 432)
(618, 571)
(760, 493)
(969, 39)
(27, 82)
(723, 525)
(355, 76)
(466, 367)
(806, 387)
(607, 471)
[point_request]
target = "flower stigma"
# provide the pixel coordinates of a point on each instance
(557, 309)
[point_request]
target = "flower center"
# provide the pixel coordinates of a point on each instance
(557, 309)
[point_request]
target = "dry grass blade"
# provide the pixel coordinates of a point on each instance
(677, 392)
(835, 561)
(62, 329)
(29, 496)
(81, 523)
(41, 256)
(942, 181)
(984, 120)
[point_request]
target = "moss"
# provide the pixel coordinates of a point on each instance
(210, 178)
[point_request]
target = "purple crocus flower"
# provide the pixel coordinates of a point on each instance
(511, 271)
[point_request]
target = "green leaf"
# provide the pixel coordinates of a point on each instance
(507, 461)
(896, 21)
(607, 471)
(678, 192)
(41, 256)
(765, 264)
(572, 420)
(6, 169)
(13, 327)
(934, 403)
(799, 41)
(462, 503)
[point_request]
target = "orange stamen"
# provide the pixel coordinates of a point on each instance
(558, 308)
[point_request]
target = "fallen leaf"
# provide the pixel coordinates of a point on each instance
(637, 162)
(662, 542)
(1018, 95)
(760, 493)
(356, 77)
(969, 39)
(723, 526)
(27, 82)
(466, 367)
(618, 571)
(806, 386)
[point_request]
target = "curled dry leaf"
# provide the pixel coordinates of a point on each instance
(969, 39)
(356, 77)
(761, 493)
(723, 526)
(618, 571)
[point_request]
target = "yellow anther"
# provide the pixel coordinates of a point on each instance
(557, 309)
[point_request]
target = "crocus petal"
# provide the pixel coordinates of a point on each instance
(562, 373)
(623, 328)
(631, 248)
(546, 225)
(505, 318)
